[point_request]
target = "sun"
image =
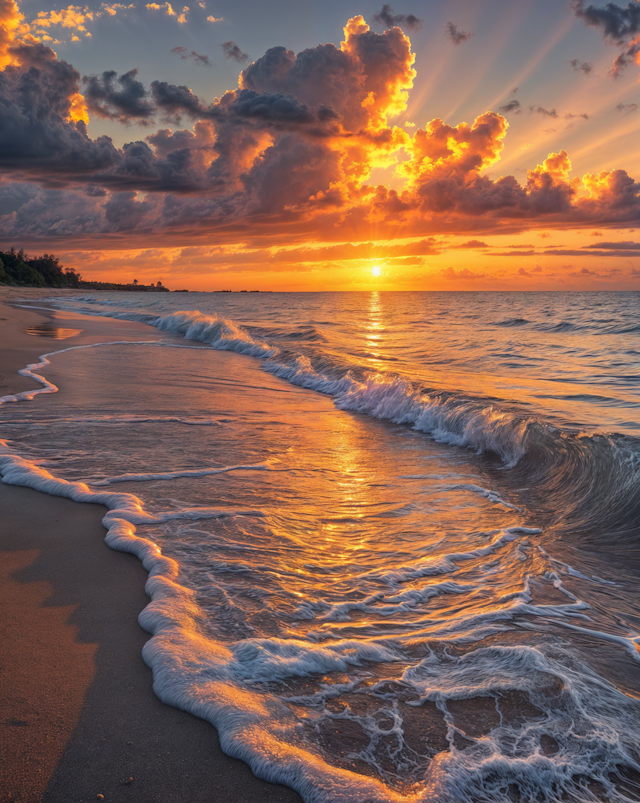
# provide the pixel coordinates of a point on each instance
(375, 271)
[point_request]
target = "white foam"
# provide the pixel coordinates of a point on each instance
(172, 475)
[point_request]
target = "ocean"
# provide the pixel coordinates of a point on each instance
(392, 538)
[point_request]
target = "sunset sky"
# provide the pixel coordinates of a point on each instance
(335, 145)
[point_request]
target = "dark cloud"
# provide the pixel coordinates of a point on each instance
(190, 55)
(627, 108)
(174, 101)
(123, 212)
(115, 97)
(585, 67)
(512, 253)
(511, 107)
(15, 195)
(471, 244)
(36, 136)
(625, 59)
(457, 35)
(545, 112)
(576, 253)
(94, 192)
(232, 51)
(616, 23)
(624, 245)
(570, 116)
(388, 19)
(241, 106)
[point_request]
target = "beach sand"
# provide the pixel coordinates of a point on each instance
(78, 715)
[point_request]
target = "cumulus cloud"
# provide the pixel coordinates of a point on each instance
(232, 51)
(118, 97)
(618, 25)
(10, 21)
(388, 19)
(456, 34)
(289, 153)
(190, 55)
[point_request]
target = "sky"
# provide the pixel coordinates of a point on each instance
(334, 145)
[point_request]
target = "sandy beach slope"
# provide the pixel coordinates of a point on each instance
(78, 717)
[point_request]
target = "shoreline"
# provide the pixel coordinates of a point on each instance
(81, 718)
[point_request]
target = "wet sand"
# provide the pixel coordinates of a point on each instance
(78, 717)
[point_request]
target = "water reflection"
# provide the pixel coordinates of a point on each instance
(52, 331)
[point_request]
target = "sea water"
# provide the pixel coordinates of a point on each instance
(392, 538)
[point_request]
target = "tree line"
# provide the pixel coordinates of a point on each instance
(16, 268)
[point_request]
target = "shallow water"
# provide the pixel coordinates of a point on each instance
(392, 537)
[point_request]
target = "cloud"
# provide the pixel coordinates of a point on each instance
(471, 244)
(388, 19)
(614, 22)
(232, 51)
(168, 8)
(286, 157)
(570, 116)
(625, 245)
(511, 106)
(115, 97)
(625, 59)
(212, 18)
(585, 67)
(618, 25)
(113, 8)
(10, 21)
(457, 35)
(464, 273)
(578, 253)
(627, 108)
(190, 55)
(512, 253)
(545, 112)
(73, 17)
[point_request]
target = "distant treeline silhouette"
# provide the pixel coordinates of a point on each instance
(46, 271)
(17, 269)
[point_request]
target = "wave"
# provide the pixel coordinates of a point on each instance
(173, 475)
(547, 757)
(583, 480)
(579, 722)
(513, 322)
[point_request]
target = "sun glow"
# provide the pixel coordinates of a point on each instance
(375, 271)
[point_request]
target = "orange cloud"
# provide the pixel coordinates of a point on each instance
(74, 17)
(11, 21)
